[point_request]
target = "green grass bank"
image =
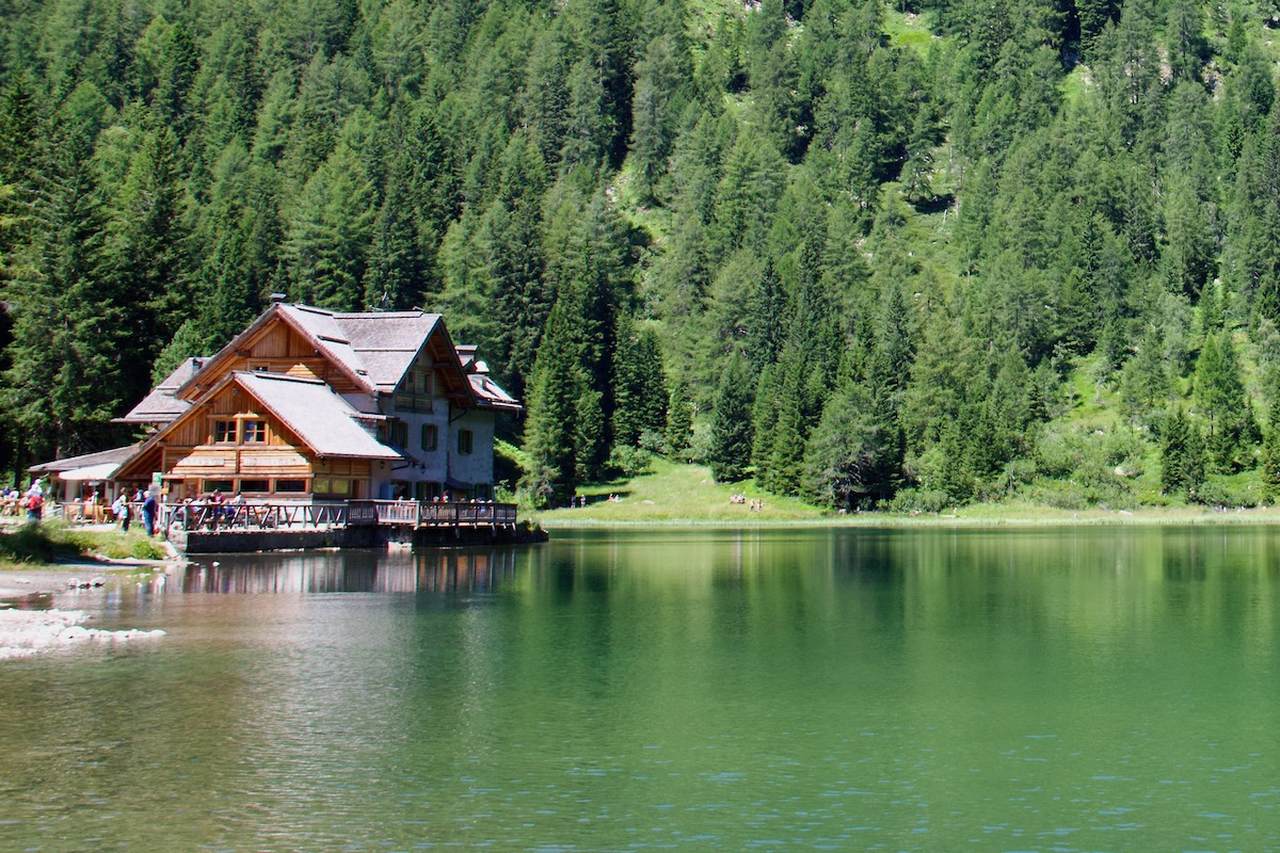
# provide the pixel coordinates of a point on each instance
(671, 494)
(51, 544)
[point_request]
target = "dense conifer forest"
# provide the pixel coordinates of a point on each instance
(903, 255)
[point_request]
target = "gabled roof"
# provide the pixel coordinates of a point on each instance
(162, 405)
(321, 418)
(388, 342)
(375, 350)
(489, 394)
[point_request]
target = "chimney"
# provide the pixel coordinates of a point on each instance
(277, 298)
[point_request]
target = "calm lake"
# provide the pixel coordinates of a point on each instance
(1075, 689)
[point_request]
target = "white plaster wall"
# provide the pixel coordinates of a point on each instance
(445, 463)
(476, 467)
(434, 462)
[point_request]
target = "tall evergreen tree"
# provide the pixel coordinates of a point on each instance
(149, 249)
(731, 423)
(640, 396)
(1181, 456)
(329, 234)
(679, 419)
(65, 381)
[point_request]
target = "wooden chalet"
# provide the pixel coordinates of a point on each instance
(308, 404)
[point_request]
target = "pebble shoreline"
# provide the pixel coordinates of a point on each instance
(24, 633)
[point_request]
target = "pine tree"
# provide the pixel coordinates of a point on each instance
(917, 174)
(640, 398)
(1271, 453)
(1181, 456)
(679, 419)
(783, 468)
(1186, 40)
(150, 250)
(731, 423)
(549, 427)
(764, 415)
(1144, 382)
(329, 233)
(397, 275)
(1189, 256)
(1219, 392)
(766, 306)
(852, 457)
(240, 233)
(65, 381)
(656, 105)
(511, 251)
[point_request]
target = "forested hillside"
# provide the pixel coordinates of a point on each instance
(908, 254)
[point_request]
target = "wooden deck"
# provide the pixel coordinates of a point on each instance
(334, 515)
(413, 514)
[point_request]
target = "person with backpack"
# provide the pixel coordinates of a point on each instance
(35, 507)
(121, 510)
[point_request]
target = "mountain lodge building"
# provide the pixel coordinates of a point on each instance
(310, 404)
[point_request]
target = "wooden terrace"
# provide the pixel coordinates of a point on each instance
(407, 515)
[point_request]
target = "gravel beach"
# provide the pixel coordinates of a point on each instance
(28, 632)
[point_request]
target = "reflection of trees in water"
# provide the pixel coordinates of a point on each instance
(432, 570)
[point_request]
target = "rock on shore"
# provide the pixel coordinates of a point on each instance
(28, 632)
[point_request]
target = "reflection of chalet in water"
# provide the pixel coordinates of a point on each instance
(308, 403)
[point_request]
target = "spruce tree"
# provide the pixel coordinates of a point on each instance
(66, 380)
(852, 457)
(1271, 453)
(731, 423)
(1181, 456)
(549, 433)
(150, 249)
(640, 398)
(679, 419)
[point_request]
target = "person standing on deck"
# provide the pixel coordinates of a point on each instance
(149, 514)
(121, 510)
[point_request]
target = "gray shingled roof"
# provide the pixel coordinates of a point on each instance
(378, 347)
(161, 406)
(321, 418)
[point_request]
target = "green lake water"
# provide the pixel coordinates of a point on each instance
(1077, 689)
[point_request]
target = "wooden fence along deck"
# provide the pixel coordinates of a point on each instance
(329, 516)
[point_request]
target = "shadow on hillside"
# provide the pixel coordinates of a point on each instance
(937, 204)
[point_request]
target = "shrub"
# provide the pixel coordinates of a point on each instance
(28, 543)
(146, 549)
(629, 461)
(1099, 488)
(1224, 492)
(920, 500)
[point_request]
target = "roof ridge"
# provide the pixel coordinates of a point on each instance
(380, 315)
(311, 309)
(279, 377)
